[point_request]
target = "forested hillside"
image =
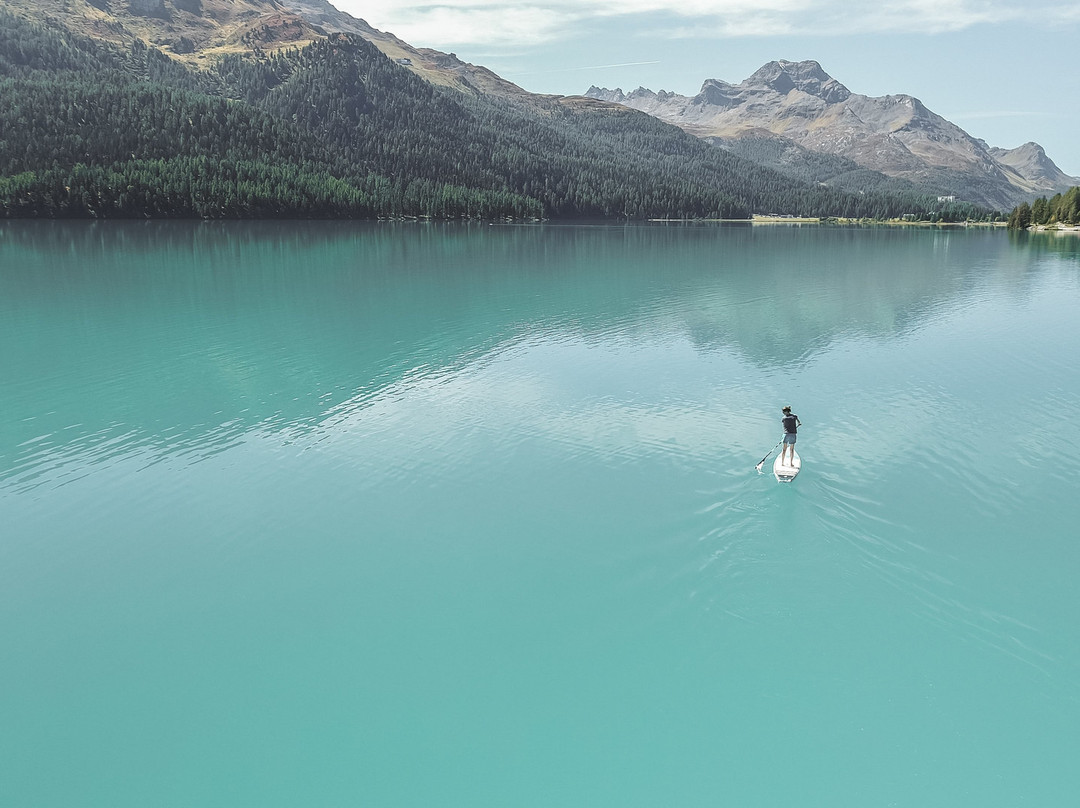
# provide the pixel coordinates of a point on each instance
(339, 130)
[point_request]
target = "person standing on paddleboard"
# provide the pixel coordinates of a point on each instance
(791, 424)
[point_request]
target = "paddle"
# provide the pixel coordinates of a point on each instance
(766, 457)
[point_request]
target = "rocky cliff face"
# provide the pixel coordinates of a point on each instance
(895, 134)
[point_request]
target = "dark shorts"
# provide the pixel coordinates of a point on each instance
(789, 437)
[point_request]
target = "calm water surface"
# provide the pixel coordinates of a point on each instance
(419, 515)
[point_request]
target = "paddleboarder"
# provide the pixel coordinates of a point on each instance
(791, 424)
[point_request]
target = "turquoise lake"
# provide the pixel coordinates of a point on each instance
(394, 515)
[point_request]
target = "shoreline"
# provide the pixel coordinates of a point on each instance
(800, 220)
(1054, 228)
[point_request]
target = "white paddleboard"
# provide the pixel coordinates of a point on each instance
(786, 473)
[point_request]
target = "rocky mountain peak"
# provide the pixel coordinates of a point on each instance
(717, 93)
(635, 98)
(1031, 162)
(642, 92)
(783, 76)
(1032, 153)
(895, 135)
(616, 96)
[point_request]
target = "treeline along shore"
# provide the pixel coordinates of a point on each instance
(1060, 211)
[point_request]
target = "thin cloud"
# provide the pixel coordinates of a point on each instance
(526, 23)
(589, 67)
(467, 22)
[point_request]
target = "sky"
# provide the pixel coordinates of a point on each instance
(1005, 72)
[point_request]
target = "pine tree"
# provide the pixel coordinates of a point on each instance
(1020, 218)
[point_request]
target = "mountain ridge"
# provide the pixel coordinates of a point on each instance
(197, 32)
(896, 135)
(225, 109)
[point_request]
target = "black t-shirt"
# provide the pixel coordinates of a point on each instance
(790, 421)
